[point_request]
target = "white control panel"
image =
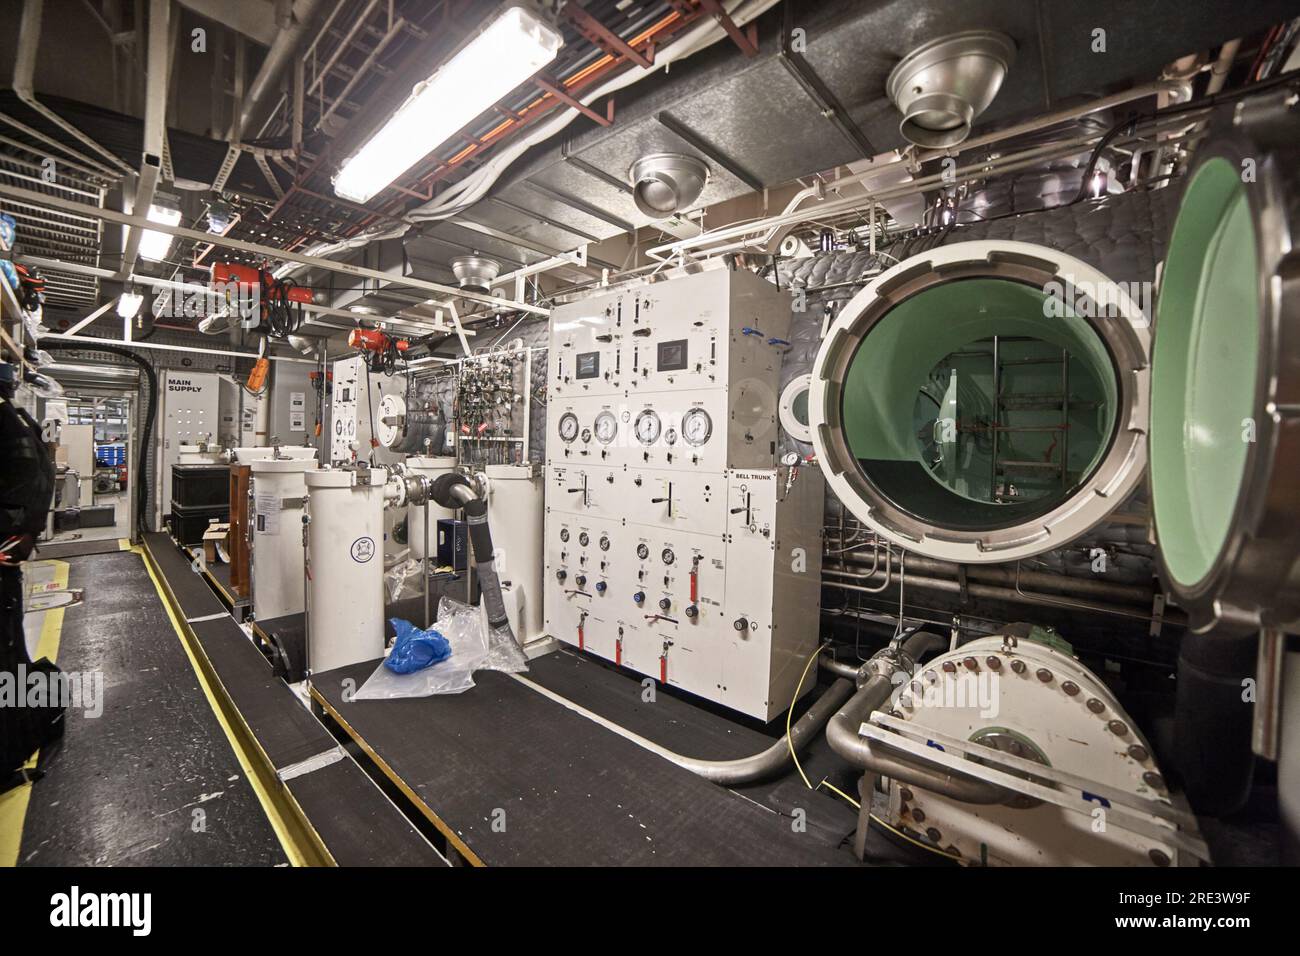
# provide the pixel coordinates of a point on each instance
(675, 545)
(349, 412)
(190, 416)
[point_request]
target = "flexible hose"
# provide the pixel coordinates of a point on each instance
(453, 490)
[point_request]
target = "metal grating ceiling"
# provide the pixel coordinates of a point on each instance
(54, 234)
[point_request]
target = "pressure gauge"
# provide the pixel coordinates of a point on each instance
(697, 426)
(642, 551)
(606, 427)
(583, 538)
(604, 542)
(564, 534)
(668, 556)
(647, 427)
(569, 427)
(670, 436)
(586, 435)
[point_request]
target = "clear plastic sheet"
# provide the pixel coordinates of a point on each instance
(473, 647)
(402, 580)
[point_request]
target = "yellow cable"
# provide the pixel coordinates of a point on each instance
(789, 716)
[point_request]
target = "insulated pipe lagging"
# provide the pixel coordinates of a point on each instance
(1212, 725)
(454, 491)
(842, 734)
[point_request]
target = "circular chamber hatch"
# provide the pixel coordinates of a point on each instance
(1225, 385)
(983, 401)
(794, 408)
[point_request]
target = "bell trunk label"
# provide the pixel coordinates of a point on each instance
(363, 549)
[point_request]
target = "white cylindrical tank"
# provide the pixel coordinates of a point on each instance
(431, 468)
(515, 514)
(279, 486)
(345, 569)
(247, 456)
(198, 455)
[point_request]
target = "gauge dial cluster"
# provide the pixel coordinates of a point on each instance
(661, 403)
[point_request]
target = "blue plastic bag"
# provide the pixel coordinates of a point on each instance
(415, 649)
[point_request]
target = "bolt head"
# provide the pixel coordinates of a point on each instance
(949, 667)
(1159, 857)
(994, 663)
(1070, 687)
(1153, 780)
(1118, 728)
(905, 794)
(1018, 666)
(971, 664)
(1138, 752)
(934, 834)
(1095, 705)
(918, 814)
(1044, 675)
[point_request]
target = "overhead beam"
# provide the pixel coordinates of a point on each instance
(157, 73)
(696, 142)
(595, 212)
(600, 34)
(82, 323)
(91, 343)
(561, 94)
(268, 252)
(746, 39)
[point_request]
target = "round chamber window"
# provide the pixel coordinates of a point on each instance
(983, 401)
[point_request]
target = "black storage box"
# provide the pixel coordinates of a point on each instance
(200, 486)
(453, 544)
(188, 524)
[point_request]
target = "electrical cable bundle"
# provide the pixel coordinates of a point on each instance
(280, 313)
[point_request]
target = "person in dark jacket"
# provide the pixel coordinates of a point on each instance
(26, 490)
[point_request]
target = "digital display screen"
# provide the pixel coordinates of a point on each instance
(588, 365)
(672, 355)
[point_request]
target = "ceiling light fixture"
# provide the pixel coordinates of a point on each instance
(507, 52)
(128, 304)
(154, 246)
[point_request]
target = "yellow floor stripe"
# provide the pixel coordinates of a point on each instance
(291, 849)
(14, 803)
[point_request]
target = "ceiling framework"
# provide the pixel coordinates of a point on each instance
(57, 234)
(355, 61)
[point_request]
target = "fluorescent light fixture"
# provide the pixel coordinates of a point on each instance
(507, 52)
(154, 246)
(128, 304)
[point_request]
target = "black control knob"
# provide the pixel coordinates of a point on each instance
(600, 587)
(580, 580)
(665, 604)
(560, 575)
(741, 624)
(639, 597)
(692, 611)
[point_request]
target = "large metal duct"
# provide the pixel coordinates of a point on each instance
(283, 50)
